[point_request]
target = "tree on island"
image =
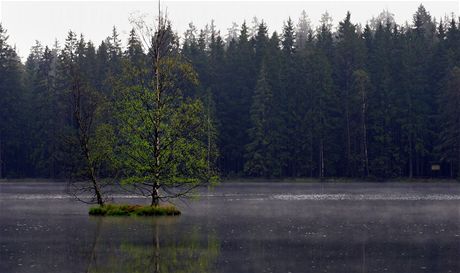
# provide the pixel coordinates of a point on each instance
(88, 138)
(164, 137)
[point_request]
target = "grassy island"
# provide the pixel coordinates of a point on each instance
(133, 210)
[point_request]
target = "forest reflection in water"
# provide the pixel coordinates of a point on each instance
(157, 245)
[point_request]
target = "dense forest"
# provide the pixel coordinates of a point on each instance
(377, 101)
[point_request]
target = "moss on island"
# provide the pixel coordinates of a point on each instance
(133, 210)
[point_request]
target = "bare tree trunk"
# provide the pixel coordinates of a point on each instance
(52, 171)
(421, 161)
(363, 267)
(458, 158)
(347, 114)
(321, 139)
(363, 118)
(1, 157)
(96, 187)
(208, 155)
(457, 131)
(311, 153)
(321, 158)
(411, 170)
(157, 118)
(155, 196)
(84, 144)
(94, 249)
(83, 135)
(157, 249)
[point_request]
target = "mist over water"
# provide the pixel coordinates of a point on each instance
(239, 227)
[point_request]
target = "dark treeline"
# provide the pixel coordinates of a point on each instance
(380, 100)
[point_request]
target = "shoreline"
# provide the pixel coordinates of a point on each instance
(274, 180)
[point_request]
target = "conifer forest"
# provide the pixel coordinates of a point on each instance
(345, 100)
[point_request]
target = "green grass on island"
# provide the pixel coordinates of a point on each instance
(133, 210)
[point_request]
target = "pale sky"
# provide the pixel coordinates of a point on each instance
(27, 21)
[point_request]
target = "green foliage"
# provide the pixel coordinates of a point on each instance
(164, 134)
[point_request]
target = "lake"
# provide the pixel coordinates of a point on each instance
(239, 227)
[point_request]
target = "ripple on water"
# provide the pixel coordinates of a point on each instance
(58, 196)
(357, 197)
(261, 197)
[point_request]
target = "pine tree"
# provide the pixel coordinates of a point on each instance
(261, 43)
(288, 37)
(419, 96)
(115, 52)
(350, 55)
(12, 92)
(449, 145)
(44, 127)
(103, 68)
(452, 41)
(287, 107)
(324, 37)
(383, 114)
(235, 111)
(134, 51)
(232, 34)
(327, 102)
(258, 159)
(304, 32)
(360, 87)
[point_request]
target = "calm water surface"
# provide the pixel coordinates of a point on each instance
(239, 227)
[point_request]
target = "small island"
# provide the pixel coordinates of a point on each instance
(133, 210)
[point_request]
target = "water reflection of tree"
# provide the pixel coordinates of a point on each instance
(169, 249)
